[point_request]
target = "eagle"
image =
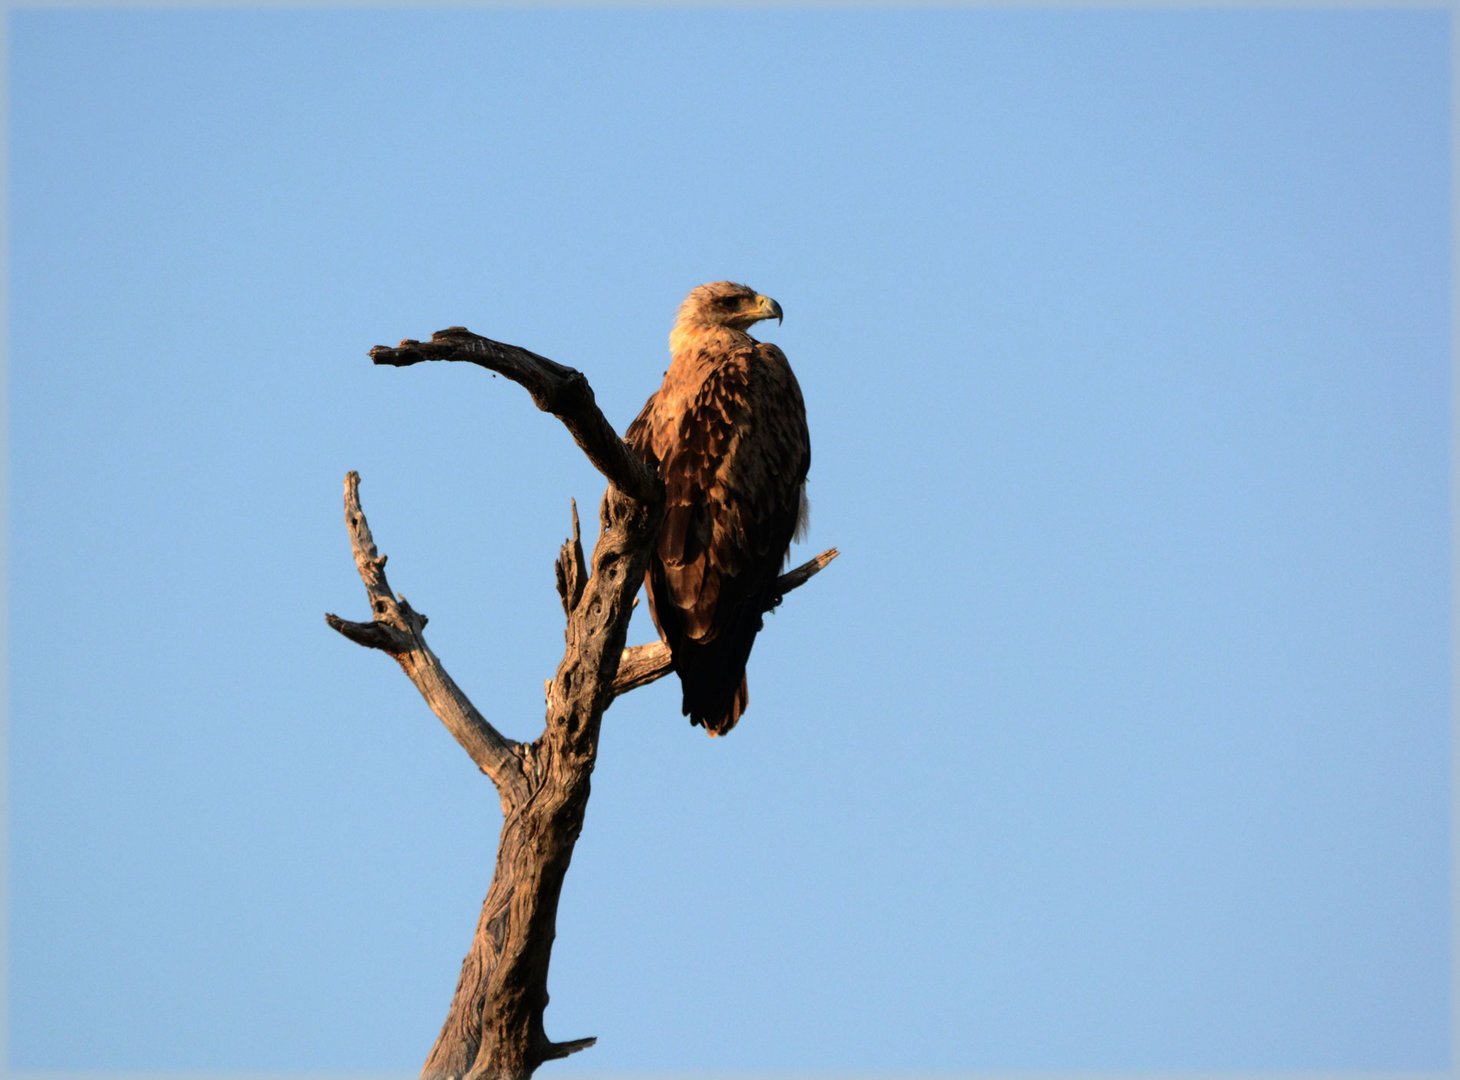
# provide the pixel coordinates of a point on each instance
(727, 433)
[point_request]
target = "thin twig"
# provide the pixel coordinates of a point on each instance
(642, 664)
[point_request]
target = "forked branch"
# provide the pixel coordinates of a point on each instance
(396, 628)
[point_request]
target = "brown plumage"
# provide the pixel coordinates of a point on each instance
(727, 432)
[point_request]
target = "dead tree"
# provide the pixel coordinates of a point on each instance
(494, 1029)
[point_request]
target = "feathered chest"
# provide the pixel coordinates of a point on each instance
(705, 406)
(727, 420)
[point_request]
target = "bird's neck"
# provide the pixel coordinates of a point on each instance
(692, 341)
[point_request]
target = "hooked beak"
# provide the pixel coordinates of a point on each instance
(767, 308)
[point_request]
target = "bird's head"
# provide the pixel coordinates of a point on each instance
(724, 303)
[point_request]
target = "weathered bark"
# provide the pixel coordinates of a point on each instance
(494, 1028)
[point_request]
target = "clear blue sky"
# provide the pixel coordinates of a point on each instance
(1118, 737)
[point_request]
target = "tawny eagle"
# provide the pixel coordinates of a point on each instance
(727, 433)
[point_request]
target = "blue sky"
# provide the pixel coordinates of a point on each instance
(1117, 738)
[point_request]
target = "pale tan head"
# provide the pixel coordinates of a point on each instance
(724, 304)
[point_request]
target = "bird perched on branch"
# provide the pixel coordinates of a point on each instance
(727, 433)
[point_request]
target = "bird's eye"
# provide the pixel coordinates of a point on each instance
(729, 303)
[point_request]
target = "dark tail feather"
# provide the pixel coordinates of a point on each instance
(719, 723)
(713, 679)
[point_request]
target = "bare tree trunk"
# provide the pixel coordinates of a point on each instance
(494, 1028)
